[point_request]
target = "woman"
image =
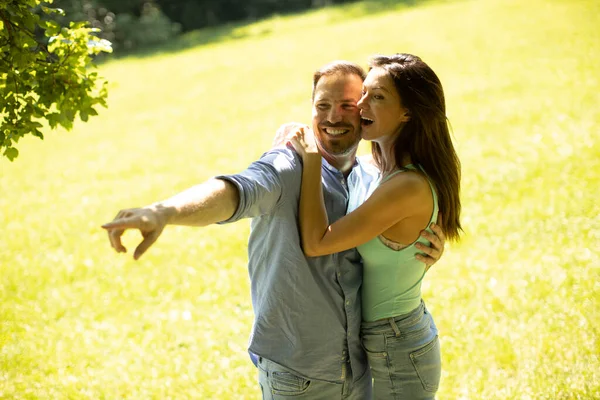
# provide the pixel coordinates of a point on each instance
(403, 115)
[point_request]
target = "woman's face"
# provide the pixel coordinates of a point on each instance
(381, 110)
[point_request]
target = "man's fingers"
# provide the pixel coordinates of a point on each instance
(429, 251)
(118, 226)
(435, 240)
(429, 261)
(124, 223)
(114, 236)
(437, 229)
(139, 219)
(145, 244)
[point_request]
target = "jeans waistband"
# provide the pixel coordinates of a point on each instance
(407, 319)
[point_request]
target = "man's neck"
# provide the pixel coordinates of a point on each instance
(342, 163)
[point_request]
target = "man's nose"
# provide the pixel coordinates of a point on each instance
(334, 115)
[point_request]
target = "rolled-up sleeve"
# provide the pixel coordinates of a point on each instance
(262, 185)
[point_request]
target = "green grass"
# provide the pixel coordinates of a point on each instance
(517, 302)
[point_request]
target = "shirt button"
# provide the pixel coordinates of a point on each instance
(347, 302)
(339, 274)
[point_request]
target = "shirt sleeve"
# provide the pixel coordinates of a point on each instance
(262, 186)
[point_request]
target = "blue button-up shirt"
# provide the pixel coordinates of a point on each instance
(307, 310)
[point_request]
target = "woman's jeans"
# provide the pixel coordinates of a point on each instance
(404, 355)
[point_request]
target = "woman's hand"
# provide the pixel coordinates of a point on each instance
(285, 132)
(303, 140)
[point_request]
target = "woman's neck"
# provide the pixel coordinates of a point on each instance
(388, 159)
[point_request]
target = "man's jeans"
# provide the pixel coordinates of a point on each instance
(278, 382)
(404, 355)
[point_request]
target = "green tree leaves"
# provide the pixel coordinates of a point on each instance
(45, 79)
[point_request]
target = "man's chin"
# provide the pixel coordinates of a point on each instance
(337, 151)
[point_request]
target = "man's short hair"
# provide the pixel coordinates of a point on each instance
(337, 67)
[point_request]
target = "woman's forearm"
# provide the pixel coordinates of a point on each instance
(312, 213)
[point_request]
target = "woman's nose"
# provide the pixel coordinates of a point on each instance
(361, 103)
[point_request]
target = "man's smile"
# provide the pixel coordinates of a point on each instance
(335, 131)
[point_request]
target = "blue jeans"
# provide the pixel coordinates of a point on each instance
(278, 382)
(404, 355)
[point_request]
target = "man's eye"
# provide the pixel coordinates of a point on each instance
(322, 106)
(378, 97)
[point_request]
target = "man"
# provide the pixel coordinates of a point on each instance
(307, 310)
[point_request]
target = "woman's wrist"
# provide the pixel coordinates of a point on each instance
(312, 157)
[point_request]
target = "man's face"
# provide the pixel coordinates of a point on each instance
(336, 117)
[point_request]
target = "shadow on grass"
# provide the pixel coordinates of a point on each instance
(260, 28)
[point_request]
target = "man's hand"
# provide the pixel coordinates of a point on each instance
(437, 239)
(150, 221)
(210, 202)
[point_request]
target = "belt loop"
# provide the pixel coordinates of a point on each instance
(394, 327)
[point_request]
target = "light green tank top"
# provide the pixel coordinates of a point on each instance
(392, 278)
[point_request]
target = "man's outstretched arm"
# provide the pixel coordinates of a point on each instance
(213, 201)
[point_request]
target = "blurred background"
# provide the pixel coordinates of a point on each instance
(135, 24)
(198, 88)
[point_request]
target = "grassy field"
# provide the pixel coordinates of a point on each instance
(517, 302)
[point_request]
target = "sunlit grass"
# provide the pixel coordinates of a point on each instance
(516, 302)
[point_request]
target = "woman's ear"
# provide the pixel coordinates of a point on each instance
(405, 117)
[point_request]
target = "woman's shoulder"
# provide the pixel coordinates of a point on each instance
(406, 176)
(407, 182)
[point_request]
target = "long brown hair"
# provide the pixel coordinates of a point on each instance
(425, 137)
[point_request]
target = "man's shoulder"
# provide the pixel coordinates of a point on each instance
(367, 165)
(283, 162)
(282, 157)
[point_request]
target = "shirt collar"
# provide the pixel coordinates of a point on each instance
(331, 168)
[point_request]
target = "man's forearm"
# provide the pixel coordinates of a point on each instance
(213, 201)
